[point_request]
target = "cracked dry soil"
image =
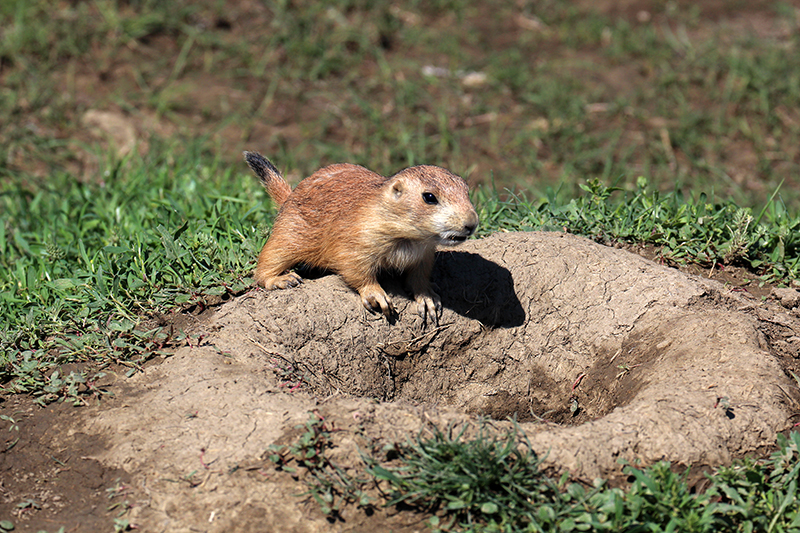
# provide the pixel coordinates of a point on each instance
(599, 353)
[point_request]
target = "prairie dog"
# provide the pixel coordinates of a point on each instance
(357, 223)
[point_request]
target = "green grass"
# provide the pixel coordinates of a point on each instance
(493, 482)
(702, 229)
(82, 264)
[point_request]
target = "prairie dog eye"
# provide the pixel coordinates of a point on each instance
(429, 198)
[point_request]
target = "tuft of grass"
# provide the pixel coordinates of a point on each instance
(474, 482)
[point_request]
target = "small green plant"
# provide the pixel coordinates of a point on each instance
(119, 490)
(662, 497)
(329, 485)
(121, 524)
(486, 483)
(13, 428)
(288, 374)
(763, 495)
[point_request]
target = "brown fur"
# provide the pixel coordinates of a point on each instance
(357, 223)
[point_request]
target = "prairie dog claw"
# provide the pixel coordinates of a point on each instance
(284, 281)
(375, 298)
(429, 305)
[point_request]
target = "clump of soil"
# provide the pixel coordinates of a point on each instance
(599, 353)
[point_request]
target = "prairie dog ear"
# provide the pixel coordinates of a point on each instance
(397, 187)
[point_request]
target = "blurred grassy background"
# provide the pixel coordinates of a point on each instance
(699, 96)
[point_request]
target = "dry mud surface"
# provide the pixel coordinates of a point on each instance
(600, 354)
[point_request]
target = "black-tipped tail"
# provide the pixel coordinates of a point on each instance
(260, 165)
(270, 177)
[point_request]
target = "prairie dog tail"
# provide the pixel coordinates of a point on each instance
(270, 177)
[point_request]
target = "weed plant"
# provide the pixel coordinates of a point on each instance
(474, 482)
(330, 486)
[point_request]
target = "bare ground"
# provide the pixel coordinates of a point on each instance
(600, 353)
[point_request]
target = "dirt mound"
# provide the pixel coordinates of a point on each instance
(600, 354)
(621, 356)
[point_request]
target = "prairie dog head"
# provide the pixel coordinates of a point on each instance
(432, 203)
